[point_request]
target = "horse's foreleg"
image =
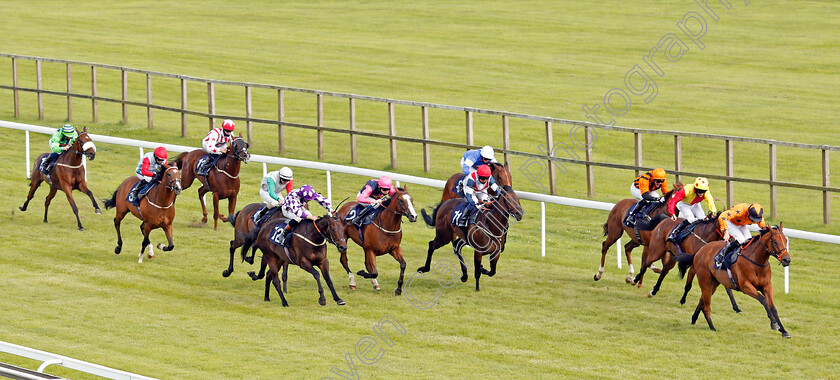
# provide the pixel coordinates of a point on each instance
(457, 245)
(397, 254)
(68, 191)
(478, 268)
(201, 192)
(307, 266)
(325, 271)
(751, 291)
(215, 211)
(34, 184)
(346, 266)
(768, 294)
(439, 241)
(83, 188)
(144, 229)
(47, 201)
(731, 300)
(231, 209)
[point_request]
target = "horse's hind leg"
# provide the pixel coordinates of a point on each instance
(285, 276)
(612, 236)
(267, 297)
(689, 279)
(325, 271)
(263, 263)
(83, 188)
(628, 248)
(370, 269)
(272, 274)
(233, 247)
(47, 201)
(117, 221)
(397, 254)
(732, 301)
(439, 241)
(167, 229)
(201, 192)
(707, 305)
(35, 182)
(668, 265)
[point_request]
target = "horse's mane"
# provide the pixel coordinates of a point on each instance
(677, 187)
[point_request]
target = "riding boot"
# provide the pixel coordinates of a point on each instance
(259, 215)
(285, 233)
(731, 246)
(135, 193)
(676, 232)
(360, 218)
(630, 221)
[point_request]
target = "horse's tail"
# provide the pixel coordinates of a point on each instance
(249, 240)
(606, 228)
(112, 202)
(232, 219)
(179, 161)
(430, 219)
(684, 261)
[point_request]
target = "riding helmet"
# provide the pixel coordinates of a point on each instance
(228, 125)
(285, 173)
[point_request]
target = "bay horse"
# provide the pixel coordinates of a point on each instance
(243, 226)
(751, 273)
(501, 173)
(156, 209)
(222, 179)
(486, 236)
(68, 174)
(382, 236)
(706, 231)
(614, 228)
(307, 249)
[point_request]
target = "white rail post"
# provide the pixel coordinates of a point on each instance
(141, 152)
(618, 252)
(26, 168)
(787, 271)
(265, 169)
(542, 230)
(329, 188)
(84, 165)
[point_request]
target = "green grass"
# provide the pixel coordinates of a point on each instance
(768, 70)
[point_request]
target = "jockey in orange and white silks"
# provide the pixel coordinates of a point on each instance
(645, 188)
(733, 223)
(215, 142)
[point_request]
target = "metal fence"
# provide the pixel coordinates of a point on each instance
(589, 130)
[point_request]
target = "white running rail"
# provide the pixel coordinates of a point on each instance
(78, 365)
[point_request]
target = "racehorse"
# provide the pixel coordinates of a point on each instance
(243, 226)
(486, 236)
(614, 228)
(384, 238)
(222, 179)
(501, 173)
(750, 275)
(705, 231)
(68, 175)
(307, 249)
(156, 209)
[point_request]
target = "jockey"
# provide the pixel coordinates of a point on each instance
(271, 189)
(474, 159)
(215, 143)
(644, 188)
(373, 193)
(60, 141)
(149, 167)
(475, 188)
(293, 206)
(734, 222)
(687, 200)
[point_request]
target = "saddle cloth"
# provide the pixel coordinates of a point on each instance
(277, 233)
(460, 214)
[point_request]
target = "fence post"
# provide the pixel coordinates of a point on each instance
(590, 176)
(69, 90)
(248, 112)
(329, 188)
(39, 85)
(392, 130)
(93, 103)
(549, 139)
(637, 138)
(730, 172)
(211, 104)
(352, 128)
(772, 179)
(183, 107)
(149, 116)
(427, 152)
(124, 76)
(469, 127)
(826, 174)
(15, 84)
(506, 136)
(678, 156)
(281, 117)
(320, 123)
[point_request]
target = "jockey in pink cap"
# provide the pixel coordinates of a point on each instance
(373, 193)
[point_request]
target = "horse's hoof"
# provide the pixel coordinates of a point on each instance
(422, 269)
(98, 212)
(629, 280)
(249, 260)
(150, 256)
(117, 250)
(253, 276)
(738, 311)
(464, 278)
(322, 301)
(22, 208)
(161, 246)
(352, 287)
(340, 302)
(650, 294)
(226, 273)
(596, 277)
(81, 228)
(204, 219)
(775, 327)
(398, 292)
(377, 288)
(285, 304)
(639, 285)
(785, 335)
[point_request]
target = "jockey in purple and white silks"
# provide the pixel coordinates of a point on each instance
(293, 206)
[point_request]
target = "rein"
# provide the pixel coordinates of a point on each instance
(216, 166)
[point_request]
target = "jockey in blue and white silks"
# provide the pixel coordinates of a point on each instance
(473, 159)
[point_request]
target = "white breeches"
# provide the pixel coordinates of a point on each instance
(144, 178)
(269, 201)
(740, 233)
(636, 193)
(294, 217)
(691, 212)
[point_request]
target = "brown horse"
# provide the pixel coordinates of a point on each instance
(501, 173)
(156, 209)
(751, 273)
(659, 248)
(243, 226)
(222, 179)
(486, 236)
(68, 175)
(614, 228)
(382, 236)
(307, 249)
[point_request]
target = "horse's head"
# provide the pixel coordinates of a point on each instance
(239, 149)
(335, 232)
(677, 187)
(775, 241)
(172, 179)
(501, 173)
(510, 202)
(402, 203)
(84, 145)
